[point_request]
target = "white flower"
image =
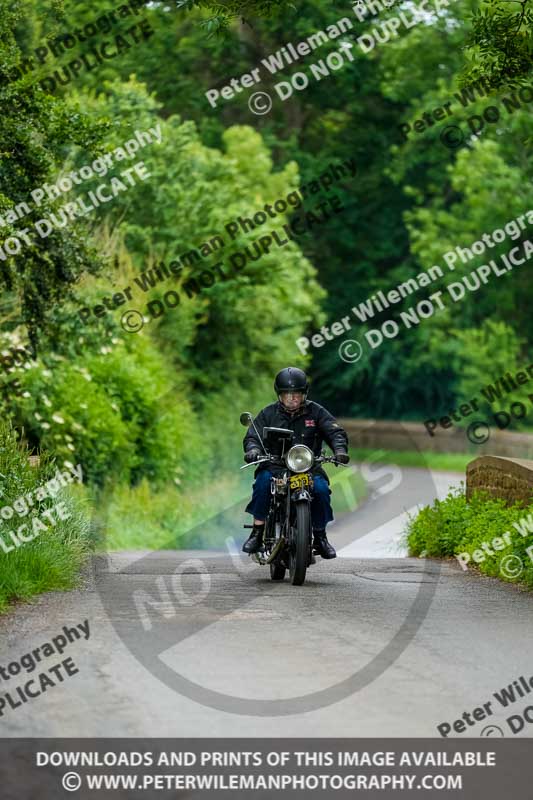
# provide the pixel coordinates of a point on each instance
(46, 401)
(58, 418)
(76, 426)
(26, 394)
(71, 447)
(45, 425)
(68, 464)
(37, 415)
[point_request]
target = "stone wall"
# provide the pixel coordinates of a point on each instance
(390, 435)
(508, 478)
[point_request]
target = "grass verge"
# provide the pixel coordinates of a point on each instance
(58, 539)
(448, 462)
(496, 537)
(145, 518)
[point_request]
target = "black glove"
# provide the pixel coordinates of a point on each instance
(342, 458)
(251, 455)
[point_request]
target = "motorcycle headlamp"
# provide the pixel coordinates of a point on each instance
(300, 458)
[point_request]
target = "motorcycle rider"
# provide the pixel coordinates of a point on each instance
(312, 424)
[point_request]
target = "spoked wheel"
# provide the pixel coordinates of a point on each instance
(277, 571)
(299, 557)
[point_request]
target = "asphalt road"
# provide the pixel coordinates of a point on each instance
(374, 644)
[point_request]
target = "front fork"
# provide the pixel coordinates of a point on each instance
(302, 495)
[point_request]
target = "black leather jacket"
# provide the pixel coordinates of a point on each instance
(312, 425)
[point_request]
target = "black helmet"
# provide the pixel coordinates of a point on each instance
(291, 379)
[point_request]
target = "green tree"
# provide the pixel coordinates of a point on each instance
(500, 43)
(37, 132)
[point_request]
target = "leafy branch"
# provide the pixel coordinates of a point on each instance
(500, 43)
(223, 13)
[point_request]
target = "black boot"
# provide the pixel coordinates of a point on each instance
(322, 546)
(255, 539)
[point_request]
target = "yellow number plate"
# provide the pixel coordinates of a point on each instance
(298, 481)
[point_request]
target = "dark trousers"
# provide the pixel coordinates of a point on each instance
(321, 511)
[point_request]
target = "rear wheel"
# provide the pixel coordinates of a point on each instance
(300, 544)
(277, 570)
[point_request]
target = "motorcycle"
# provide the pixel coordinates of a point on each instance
(288, 536)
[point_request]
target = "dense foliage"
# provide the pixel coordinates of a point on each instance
(37, 133)
(60, 547)
(161, 406)
(452, 527)
(501, 41)
(410, 202)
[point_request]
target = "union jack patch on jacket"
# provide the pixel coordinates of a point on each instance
(310, 423)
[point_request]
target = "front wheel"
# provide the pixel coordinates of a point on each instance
(299, 557)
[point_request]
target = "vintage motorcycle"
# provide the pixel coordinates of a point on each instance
(288, 536)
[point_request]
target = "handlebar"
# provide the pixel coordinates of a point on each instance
(330, 460)
(281, 462)
(259, 460)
